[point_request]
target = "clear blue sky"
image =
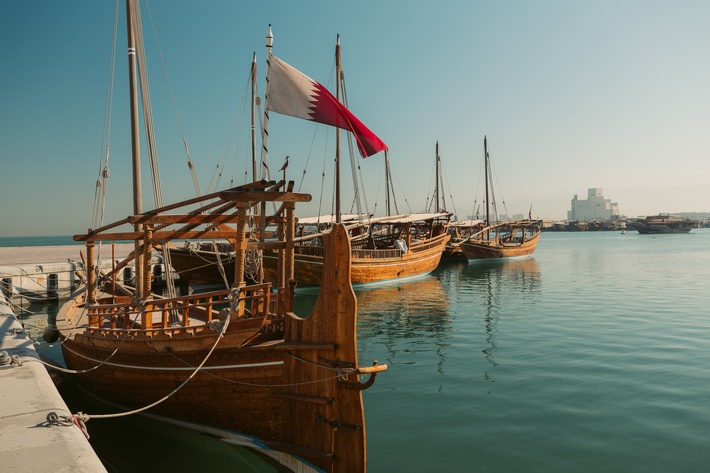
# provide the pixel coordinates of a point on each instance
(572, 95)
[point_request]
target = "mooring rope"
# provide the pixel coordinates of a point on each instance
(82, 418)
(341, 373)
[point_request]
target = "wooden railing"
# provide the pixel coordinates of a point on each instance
(426, 245)
(384, 253)
(252, 301)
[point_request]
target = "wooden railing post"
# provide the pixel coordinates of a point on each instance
(147, 251)
(290, 230)
(90, 273)
(240, 246)
(94, 317)
(280, 273)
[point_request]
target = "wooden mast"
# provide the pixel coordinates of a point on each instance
(387, 181)
(485, 149)
(338, 72)
(436, 188)
(255, 177)
(135, 141)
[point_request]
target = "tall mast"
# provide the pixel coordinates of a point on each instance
(255, 177)
(436, 188)
(135, 141)
(387, 181)
(338, 71)
(485, 149)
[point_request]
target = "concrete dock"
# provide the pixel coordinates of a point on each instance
(28, 442)
(56, 276)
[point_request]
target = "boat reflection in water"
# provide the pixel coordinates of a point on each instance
(405, 316)
(494, 290)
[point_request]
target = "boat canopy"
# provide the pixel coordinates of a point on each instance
(412, 218)
(330, 219)
(466, 223)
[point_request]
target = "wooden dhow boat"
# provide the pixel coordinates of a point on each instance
(237, 362)
(501, 239)
(662, 223)
(237, 359)
(383, 249)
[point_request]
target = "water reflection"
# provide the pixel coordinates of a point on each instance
(405, 317)
(493, 290)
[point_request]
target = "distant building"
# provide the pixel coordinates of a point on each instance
(595, 207)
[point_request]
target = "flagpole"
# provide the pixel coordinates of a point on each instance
(337, 133)
(265, 130)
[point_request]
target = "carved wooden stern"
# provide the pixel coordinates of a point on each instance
(330, 412)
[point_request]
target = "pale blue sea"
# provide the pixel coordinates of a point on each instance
(39, 241)
(593, 355)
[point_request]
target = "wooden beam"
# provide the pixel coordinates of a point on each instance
(238, 196)
(182, 218)
(158, 236)
(193, 235)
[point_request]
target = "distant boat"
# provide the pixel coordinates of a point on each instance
(501, 239)
(662, 223)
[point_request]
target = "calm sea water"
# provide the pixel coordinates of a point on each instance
(39, 241)
(593, 355)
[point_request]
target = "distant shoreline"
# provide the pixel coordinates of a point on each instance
(20, 241)
(19, 255)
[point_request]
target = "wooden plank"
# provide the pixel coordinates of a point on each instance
(182, 218)
(237, 196)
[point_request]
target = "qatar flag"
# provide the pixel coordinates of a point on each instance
(290, 92)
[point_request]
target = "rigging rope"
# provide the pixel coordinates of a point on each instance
(190, 163)
(101, 190)
(150, 133)
(237, 124)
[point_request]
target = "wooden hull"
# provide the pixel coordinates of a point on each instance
(661, 224)
(481, 249)
(453, 253)
(292, 383)
(658, 231)
(369, 266)
(474, 250)
(655, 229)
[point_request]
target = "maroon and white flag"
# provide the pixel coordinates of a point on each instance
(293, 93)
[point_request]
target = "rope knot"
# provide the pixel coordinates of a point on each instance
(343, 373)
(80, 419)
